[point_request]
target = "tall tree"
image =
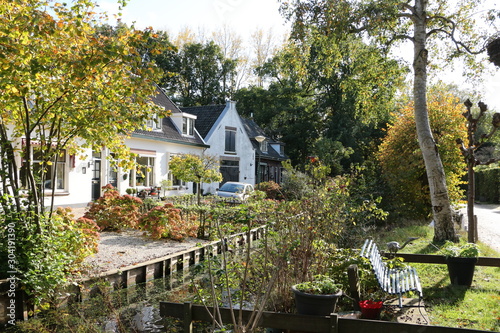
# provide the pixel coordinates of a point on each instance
(264, 47)
(325, 89)
(199, 74)
(402, 163)
(63, 87)
(431, 26)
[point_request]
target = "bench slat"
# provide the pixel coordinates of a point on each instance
(392, 281)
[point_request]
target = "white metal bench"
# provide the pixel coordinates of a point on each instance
(392, 280)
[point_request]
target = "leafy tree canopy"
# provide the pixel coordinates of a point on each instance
(402, 162)
(325, 89)
(197, 73)
(196, 168)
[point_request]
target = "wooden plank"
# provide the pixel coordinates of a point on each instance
(326, 324)
(346, 325)
(285, 321)
(438, 259)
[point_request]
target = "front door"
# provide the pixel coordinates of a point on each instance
(96, 179)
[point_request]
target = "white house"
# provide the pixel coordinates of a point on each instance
(222, 129)
(79, 179)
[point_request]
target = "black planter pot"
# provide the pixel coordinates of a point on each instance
(461, 270)
(311, 304)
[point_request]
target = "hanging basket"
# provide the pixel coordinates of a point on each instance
(493, 49)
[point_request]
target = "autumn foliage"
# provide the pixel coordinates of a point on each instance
(166, 222)
(402, 162)
(113, 211)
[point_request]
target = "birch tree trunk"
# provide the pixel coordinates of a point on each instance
(441, 207)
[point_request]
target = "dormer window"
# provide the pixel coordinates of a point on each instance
(263, 146)
(154, 124)
(187, 126)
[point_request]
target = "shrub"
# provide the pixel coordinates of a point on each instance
(272, 190)
(81, 236)
(44, 260)
(113, 211)
(166, 222)
(401, 159)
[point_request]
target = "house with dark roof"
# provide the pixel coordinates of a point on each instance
(82, 178)
(162, 139)
(222, 129)
(270, 153)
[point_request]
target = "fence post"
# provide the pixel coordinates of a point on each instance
(334, 323)
(188, 322)
(352, 273)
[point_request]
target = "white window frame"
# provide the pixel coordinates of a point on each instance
(155, 123)
(187, 126)
(62, 167)
(149, 176)
(264, 146)
(226, 132)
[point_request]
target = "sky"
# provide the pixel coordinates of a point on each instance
(243, 17)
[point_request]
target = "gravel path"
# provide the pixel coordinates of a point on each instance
(130, 247)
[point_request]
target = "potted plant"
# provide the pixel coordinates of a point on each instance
(317, 297)
(370, 309)
(461, 261)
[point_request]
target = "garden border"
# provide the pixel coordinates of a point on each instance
(130, 275)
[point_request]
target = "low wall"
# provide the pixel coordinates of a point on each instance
(15, 305)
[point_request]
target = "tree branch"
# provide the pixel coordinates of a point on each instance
(451, 34)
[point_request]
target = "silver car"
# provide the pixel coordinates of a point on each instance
(235, 190)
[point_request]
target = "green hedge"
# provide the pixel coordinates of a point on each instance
(488, 185)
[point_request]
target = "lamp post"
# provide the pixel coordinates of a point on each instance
(259, 139)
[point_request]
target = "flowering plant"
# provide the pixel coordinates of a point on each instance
(166, 222)
(113, 211)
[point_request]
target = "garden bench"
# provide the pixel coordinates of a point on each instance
(392, 280)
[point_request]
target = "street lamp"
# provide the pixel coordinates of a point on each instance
(259, 139)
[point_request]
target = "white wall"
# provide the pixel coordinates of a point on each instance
(163, 152)
(78, 190)
(244, 148)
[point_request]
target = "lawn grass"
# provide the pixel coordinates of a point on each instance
(477, 307)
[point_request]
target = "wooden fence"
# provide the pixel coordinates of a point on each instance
(296, 323)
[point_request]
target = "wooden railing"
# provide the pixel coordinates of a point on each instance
(188, 313)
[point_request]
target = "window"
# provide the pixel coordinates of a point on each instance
(51, 174)
(113, 172)
(263, 146)
(230, 145)
(188, 126)
(154, 123)
(175, 181)
(144, 175)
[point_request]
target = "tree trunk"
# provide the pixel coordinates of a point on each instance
(441, 207)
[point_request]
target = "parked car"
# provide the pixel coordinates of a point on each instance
(235, 190)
